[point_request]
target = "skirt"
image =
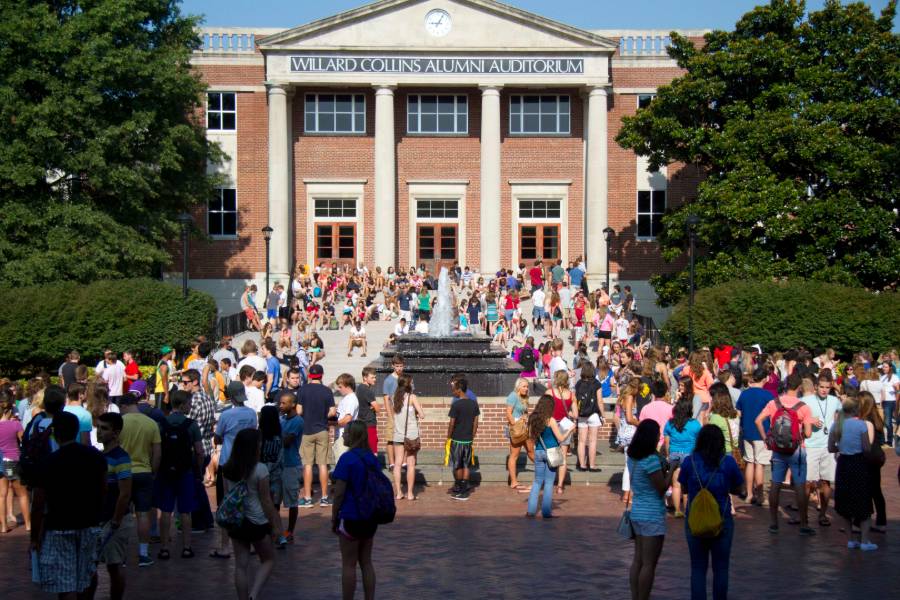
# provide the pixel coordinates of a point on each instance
(852, 497)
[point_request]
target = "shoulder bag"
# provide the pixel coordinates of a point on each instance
(625, 528)
(735, 451)
(554, 455)
(411, 446)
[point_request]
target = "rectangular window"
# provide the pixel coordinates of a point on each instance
(539, 209)
(538, 242)
(335, 208)
(539, 115)
(437, 209)
(440, 114)
(336, 241)
(644, 100)
(221, 214)
(650, 209)
(221, 111)
(437, 242)
(335, 113)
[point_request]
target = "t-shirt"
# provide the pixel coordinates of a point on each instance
(85, 419)
(536, 275)
(291, 454)
(389, 387)
(474, 309)
(890, 392)
(646, 503)
(349, 405)
(272, 300)
(118, 468)
(256, 399)
(257, 362)
(519, 406)
(139, 433)
(823, 410)
(565, 297)
(465, 411)
(575, 276)
(659, 411)
(316, 400)
(718, 481)
(682, 441)
(723, 355)
(352, 467)
(366, 396)
(557, 364)
(874, 387)
(273, 368)
(233, 420)
(67, 372)
(403, 300)
(803, 412)
(538, 297)
(728, 431)
(114, 376)
(72, 479)
(131, 368)
(557, 273)
(9, 439)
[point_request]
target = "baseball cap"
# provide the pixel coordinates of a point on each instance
(316, 371)
(138, 389)
(165, 349)
(757, 347)
(236, 392)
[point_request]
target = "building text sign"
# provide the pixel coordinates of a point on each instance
(435, 65)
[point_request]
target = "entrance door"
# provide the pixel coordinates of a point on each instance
(436, 246)
(336, 242)
(538, 242)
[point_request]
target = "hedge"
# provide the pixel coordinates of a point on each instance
(783, 315)
(40, 324)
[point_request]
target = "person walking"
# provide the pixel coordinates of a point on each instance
(852, 439)
(11, 433)
(543, 434)
(406, 412)
(516, 410)
(710, 468)
(117, 522)
(680, 435)
(868, 411)
(821, 463)
(750, 403)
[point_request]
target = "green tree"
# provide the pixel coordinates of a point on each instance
(795, 123)
(100, 145)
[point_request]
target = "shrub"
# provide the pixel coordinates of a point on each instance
(40, 324)
(782, 315)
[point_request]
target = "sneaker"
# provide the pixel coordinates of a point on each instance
(461, 496)
(144, 561)
(868, 546)
(852, 545)
(289, 537)
(305, 503)
(325, 501)
(282, 542)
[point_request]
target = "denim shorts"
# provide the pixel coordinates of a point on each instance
(142, 491)
(649, 528)
(796, 462)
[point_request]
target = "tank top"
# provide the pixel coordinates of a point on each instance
(400, 422)
(548, 438)
(560, 407)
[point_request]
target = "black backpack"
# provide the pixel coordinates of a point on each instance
(177, 449)
(586, 393)
(36, 448)
(526, 358)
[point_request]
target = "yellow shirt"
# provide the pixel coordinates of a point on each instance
(139, 433)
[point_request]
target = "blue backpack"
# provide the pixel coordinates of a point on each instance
(375, 502)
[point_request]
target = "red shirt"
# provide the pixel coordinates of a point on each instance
(723, 355)
(512, 303)
(131, 368)
(536, 274)
(561, 407)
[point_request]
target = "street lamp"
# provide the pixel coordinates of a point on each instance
(267, 235)
(692, 222)
(607, 234)
(186, 222)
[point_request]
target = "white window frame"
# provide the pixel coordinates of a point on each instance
(219, 214)
(343, 200)
(648, 214)
(354, 130)
(437, 131)
(437, 190)
(220, 111)
(642, 96)
(541, 190)
(548, 200)
(521, 116)
(454, 199)
(350, 189)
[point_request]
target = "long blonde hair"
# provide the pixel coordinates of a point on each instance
(561, 380)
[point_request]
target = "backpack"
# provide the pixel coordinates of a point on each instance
(586, 393)
(230, 513)
(177, 449)
(644, 396)
(375, 502)
(526, 358)
(704, 514)
(784, 434)
(35, 449)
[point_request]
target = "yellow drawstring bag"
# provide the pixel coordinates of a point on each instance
(704, 515)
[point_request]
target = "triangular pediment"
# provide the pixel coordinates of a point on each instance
(401, 24)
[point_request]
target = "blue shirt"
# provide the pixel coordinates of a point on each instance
(682, 441)
(824, 410)
(352, 468)
(85, 420)
(647, 505)
(469, 394)
(273, 367)
(606, 384)
(294, 425)
(751, 402)
(575, 276)
(236, 418)
(718, 481)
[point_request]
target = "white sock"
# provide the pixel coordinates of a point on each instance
(144, 549)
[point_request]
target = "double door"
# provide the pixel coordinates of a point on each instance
(437, 245)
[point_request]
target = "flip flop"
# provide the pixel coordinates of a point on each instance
(773, 528)
(807, 531)
(217, 554)
(793, 521)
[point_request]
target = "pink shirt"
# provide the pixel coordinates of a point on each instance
(9, 438)
(803, 413)
(659, 411)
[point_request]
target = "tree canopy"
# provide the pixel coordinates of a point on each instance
(101, 146)
(795, 122)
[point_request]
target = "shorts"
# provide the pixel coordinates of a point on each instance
(460, 455)
(591, 421)
(509, 314)
(605, 335)
(68, 560)
(820, 465)
(356, 342)
(286, 487)
(676, 458)
(272, 313)
(389, 428)
(249, 532)
(537, 313)
(373, 438)
(142, 491)
(10, 470)
(796, 462)
(357, 530)
(405, 314)
(179, 491)
(567, 314)
(314, 449)
(115, 549)
(757, 453)
(250, 313)
(649, 528)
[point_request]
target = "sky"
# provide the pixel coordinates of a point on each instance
(586, 14)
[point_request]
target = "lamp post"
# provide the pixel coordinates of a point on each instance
(607, 234)
(186, 221)
(267, 235)
(692, 222)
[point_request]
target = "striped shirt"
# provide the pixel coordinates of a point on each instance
(647, 505)
(118, 468)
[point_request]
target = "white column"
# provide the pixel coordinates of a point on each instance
(280, 218)
(596, 216)
(490, 180)
(385, 179)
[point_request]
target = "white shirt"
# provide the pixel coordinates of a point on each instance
(538, 298)
(358, 333)
(349, 405)
(874, 387)
(889, 381)
(565, 296)
(401, 329)
(557, 364)
(255, 398)
(622, 329)
(422, 327)
(113, 375)
(254, 360)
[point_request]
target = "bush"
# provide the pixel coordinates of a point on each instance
(40, 324)
(782, 315)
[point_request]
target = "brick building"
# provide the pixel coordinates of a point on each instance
(428, 131)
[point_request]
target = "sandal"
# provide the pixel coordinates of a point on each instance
(187, 553)
(824, 521)
(217, 554)
(793, 521)
(807, 531)
(773, 528)
(163, 555)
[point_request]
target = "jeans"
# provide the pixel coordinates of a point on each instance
(888, 408)
(700, 549)
(543, 477)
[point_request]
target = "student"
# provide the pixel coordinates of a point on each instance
(461, 431)
(659, 409)
(516, 409)
(11, 434)
(588, 407)
(115, 518)
(543, 433)
(757, 456)
(852, 439)
(387, 394)
(291, 433)
(368, 406)
(75, 396)
(681, 435)
(316, 406)
(821, 463)
(272, 370)
(347, 411)
(406, 412)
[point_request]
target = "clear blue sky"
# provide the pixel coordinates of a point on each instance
(587, 14)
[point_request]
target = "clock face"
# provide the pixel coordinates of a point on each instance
(438, 23)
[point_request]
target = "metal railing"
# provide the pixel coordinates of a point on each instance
(650, 328)
(231, 325)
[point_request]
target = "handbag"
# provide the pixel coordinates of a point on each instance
(410, 446)
(518, 432)
(554, 455)
(735, 451)
(625, 527)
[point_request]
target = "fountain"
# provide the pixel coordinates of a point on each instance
(431, 359)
